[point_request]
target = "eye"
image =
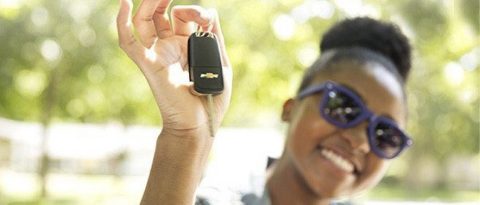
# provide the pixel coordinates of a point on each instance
(341, 107)
(388, 138)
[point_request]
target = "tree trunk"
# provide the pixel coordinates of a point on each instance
(48, 102)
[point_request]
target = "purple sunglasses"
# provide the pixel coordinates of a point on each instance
(343, 108)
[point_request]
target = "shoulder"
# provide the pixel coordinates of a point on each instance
(233, 199)
(213, 192)
(221, 194)
(217, 196)
(236, 172)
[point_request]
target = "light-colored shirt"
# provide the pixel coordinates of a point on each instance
(229, 197)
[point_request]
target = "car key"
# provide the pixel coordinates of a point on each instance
(205, 65)
(205, 69)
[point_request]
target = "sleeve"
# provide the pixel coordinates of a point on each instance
(217, 196)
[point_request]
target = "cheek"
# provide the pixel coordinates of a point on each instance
(304, 131)
(375, 170)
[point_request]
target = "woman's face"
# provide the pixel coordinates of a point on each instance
(309, 133)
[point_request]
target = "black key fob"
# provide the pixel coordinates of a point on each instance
(205, 65)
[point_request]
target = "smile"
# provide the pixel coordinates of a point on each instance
(337, 160)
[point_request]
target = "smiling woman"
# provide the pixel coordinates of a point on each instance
(344, 126)
(347, 120)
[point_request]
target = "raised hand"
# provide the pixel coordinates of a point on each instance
(160, 51)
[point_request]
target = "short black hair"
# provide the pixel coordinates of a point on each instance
(381, 37)
(365, 39)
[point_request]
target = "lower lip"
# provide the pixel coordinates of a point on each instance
(325, 162)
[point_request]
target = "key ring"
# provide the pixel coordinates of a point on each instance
(208, 32)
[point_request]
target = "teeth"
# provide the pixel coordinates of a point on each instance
(337, 160)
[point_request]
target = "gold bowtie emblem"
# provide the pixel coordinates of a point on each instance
(208, 75)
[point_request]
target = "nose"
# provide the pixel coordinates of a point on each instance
(358, 138)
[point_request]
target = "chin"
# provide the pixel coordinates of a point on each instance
(326, 178)
(329, 188)
(323, 184)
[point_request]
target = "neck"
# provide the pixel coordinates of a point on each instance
(287, 187)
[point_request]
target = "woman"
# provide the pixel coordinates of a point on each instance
(344, 125)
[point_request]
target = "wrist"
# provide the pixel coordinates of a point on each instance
(193, 133)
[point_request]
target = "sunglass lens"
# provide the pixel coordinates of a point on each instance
(387, 139)
(341, 108)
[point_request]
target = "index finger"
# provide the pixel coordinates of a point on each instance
(126, 38)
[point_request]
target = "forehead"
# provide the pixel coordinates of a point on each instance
(378, 88)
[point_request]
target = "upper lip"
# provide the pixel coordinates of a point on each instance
(347, 156)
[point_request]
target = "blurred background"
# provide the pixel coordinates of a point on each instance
(78, 122)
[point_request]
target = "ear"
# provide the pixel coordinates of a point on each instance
(287, 110)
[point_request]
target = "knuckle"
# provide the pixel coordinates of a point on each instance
(161, 9)
(136, 20)
(126, 44)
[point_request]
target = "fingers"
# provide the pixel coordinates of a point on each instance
(183, 15)
(151, 23)
(162, 24)
(126, 38)
(144, 20)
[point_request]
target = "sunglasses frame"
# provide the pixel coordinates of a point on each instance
(366, 114)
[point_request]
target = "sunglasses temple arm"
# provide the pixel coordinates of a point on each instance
(311, 90)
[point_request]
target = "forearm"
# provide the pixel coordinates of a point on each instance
(177, 167)
(160, 53)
